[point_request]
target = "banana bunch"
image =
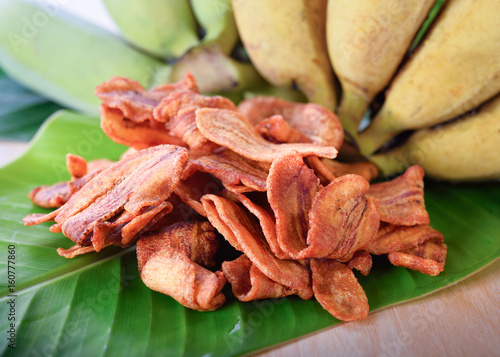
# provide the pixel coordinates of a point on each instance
(456, 69)
(352, 56)
(65, 58)
(367, 42)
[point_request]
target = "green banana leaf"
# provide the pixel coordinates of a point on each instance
(21, 111)
(96, 304)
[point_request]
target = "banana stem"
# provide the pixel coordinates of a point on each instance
(390, 163)
(351, 110)
(375, 136)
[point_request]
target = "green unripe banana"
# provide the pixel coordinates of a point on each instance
(215, 71)
(65, 58)
(467, 149)
(164, 28)
(217, 19)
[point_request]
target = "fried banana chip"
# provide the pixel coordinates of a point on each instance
(235, 171)
(230, 129)
(131, 187)
(137, 135)
(277, 130)
(332, 168)
(235, 225)
(292, 187)
(141, 222)
(361, 261)
(50, 196)
(434, 249)
(178, 112)
(342, 220)
(141, 194)
(122, 230)
(181, 212)
(248, 283)
(186, 194)
(325, 176)
(171, 272)
(413, 262)
(338, 291)
(176, 102)
(196, 240)
(428, 257)
(77, 166)
(135, 102)
(266, 220)
(401, 201)
(316, 122)
(56, 195)
(191, 189)
(392, 238)
(79, 249)
(184, 127)
(127, 111)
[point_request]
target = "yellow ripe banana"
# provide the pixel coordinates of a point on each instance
(217, 19)
(466, 149)
(367, 39)
(456, 68)
(164, 28)
(65, 58)
(285, 40)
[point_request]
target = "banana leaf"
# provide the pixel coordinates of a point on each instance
(21, 111)
(96, 304)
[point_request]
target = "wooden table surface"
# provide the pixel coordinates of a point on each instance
(461, 320)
